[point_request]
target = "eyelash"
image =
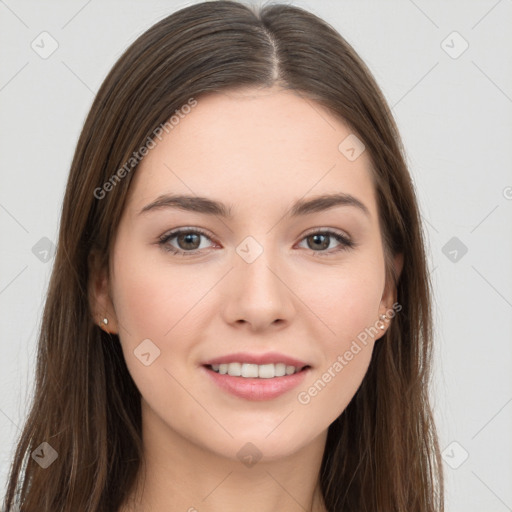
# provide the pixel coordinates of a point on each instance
(345, 243)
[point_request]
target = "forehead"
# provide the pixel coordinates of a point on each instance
(253, 147)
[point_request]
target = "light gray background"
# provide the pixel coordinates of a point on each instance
(455, 119)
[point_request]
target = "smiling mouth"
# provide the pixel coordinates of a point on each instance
(258, 371)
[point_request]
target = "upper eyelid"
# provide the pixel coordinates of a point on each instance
(323, 229)
(174, 232)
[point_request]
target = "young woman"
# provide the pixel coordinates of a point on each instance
(239, 314)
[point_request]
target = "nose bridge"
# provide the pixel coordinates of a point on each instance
(257, 264)
(258, 294)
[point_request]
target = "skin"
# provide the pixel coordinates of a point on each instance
(257, 150)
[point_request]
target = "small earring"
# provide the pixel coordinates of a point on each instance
(383, 318)
(105, 321)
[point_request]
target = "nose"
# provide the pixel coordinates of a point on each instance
(258, 293)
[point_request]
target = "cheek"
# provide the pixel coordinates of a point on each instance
(154, 302)
(166, 304)
(346, 301)
(348, 307)
(346, 354)
(151, 297)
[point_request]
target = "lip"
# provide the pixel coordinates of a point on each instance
(266, 358)
(256, 389)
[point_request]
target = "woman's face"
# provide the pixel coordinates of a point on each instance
(262, 284)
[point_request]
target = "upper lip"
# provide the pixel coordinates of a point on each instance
(266, 358)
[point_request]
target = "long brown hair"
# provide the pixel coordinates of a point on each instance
(382, 453)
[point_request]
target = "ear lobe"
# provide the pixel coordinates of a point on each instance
(100, 304)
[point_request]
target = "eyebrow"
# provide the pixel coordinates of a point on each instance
(210, 207)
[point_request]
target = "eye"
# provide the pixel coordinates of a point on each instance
(321, 240)
(189, 239)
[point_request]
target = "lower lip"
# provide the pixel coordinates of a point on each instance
(256, 389)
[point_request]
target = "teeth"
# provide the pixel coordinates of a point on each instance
(262, 371)
(280, 369)
(235, 369)
(248, 370)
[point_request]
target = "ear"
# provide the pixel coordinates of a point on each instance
(100, 302)
(390, 293)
